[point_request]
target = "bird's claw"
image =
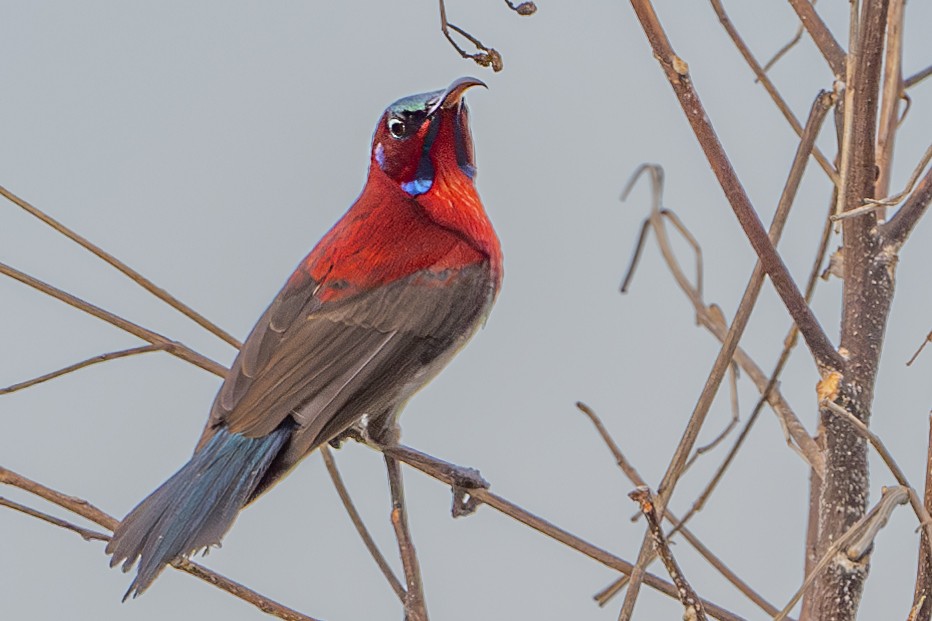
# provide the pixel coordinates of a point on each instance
(464, 480)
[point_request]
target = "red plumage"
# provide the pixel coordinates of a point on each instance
(376, 309)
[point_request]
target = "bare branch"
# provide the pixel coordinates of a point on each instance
(88, 511)
(710, 318)
(678, 526)
(415, 605)
(358, 523)
(867, 526)
(135, 276)
(913, 178)
(821, 35)
(677, 73)
(922, 604)
(899, 227)
(891, 93)
(779, 54)
(917, 77)
(762, 77)
(457, 476)
(263, 603)
(674, 471)
(485, 57)
(86, 534)
(114, 355)
(925, 520)
(173, 347)
(735, 417)
(867, 296)
(927, 340)
(688, 597)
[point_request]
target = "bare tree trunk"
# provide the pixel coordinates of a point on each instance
(868, 292)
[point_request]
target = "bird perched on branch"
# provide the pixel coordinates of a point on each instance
(377, 308)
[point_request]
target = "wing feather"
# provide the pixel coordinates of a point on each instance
(326, 364)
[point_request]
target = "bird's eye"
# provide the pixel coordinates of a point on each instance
(396, 127)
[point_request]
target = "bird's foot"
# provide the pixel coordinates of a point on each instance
(464, 480)
(353, 433)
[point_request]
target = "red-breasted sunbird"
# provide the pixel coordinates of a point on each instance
(377, 309)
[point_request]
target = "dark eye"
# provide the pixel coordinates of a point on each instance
(396, 127)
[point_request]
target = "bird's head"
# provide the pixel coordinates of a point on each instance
(423, 136)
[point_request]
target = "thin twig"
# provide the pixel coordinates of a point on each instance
(925, 520)
(919, 351)
(358, 523)
(86, 534)
(891, 94)
(735, 418)
(922, 604)
(88, 511)
(173, 347)
(457, 475)
(896, 198)
(631, 472)
(869, 524)
(677, 73)
(821, 35)
(761, 76)
(783, 50)
(708, 316)
(415, 605)
(917, 77)
(114, 355)
(871, 207)
(485, 57)
(898, 228)
(688, 597)
(742, 315)
(135, 276)
(788, 344)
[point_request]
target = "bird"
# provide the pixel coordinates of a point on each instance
(379, 306)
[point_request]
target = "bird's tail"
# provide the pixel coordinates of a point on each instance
(196, 506)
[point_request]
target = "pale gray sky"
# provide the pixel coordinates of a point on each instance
(211, 144)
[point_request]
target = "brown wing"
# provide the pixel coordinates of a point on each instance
(326, 364)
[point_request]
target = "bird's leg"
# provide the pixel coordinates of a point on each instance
(377, 431)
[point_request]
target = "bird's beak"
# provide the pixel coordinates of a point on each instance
(451, 97)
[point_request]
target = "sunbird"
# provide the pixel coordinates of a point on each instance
(380, 305)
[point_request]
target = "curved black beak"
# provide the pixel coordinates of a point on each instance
(454, 93)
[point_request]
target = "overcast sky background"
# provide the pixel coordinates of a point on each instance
(211, 144)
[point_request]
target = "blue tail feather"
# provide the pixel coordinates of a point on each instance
(196, 506)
